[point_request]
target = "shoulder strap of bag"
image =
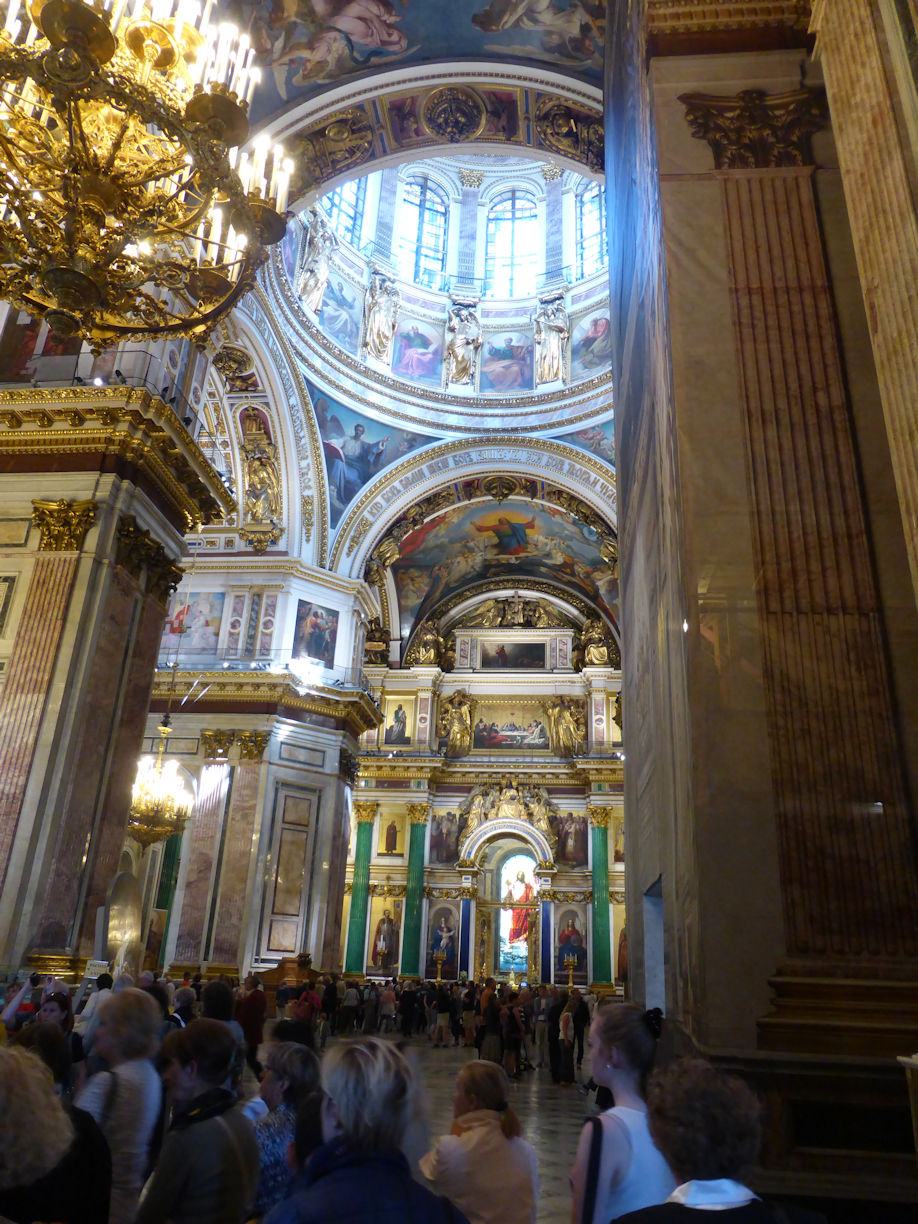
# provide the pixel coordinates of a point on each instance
(592, 1180)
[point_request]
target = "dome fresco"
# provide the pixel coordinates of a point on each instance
(305, 48)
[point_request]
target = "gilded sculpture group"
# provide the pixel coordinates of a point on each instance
(508, 801)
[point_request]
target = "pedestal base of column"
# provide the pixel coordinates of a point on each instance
(178, 969)
(868, 1017)
(59, 965)
(215, 970)
(834, 1129)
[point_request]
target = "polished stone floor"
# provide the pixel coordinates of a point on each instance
(552, 1117)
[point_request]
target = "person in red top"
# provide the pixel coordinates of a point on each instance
(250, 1013)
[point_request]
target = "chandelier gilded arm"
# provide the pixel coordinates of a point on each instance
(127, 207)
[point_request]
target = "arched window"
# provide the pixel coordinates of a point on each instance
(592, 254)
(344, 209)
(512, 252)
(422, 233)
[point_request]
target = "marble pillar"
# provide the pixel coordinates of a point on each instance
(419, 816)
(849, 885)
(602, 936)
(554, 228)
(203, 841)
(471, 181)
(355, 954)
(238, 851)
(864, 52)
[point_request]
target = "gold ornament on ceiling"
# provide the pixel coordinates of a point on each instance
(501, 487)
(453, 113)
(126, 207)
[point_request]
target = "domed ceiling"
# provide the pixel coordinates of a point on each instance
(304, 46)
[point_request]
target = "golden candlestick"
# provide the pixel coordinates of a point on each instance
(570, 963)
(439, 957)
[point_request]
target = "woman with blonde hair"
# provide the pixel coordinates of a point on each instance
(618, 1168)
(126, 1100)
(35, 1131)
(484, 1165)
(359, 1173)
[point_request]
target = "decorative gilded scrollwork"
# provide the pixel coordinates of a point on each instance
(237, 366)
(307, 509)
(599, 816)
(451, 892)
(63, 524)
(217, 744)
(454, 113)
(572, 131)
(471, 178)
(332, 146)
(426, 646)
(252, 744)
(755, 130)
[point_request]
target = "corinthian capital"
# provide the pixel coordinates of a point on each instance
(754, 130)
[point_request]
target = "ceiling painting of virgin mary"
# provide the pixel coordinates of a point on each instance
(512, 541)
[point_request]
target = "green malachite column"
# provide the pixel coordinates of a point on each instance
(602, 938)
(419, 814)
(355, 954)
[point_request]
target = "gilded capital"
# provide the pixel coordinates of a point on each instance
(63, 524)
(217, 744)
(599, 816)
(252, 744)
(754, 130)
(550, 172)
(419, 813)
(365, 813)
(145, 558)
(471, 178)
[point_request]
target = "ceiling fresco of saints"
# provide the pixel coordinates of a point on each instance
(510, 541)
(356, 448)
(599, 440)
(303, 45)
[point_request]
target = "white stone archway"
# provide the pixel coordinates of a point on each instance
(491, 830)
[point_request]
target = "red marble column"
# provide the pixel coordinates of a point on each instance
(229, 930)
(25, 692)
(847, 860)
(205, 829)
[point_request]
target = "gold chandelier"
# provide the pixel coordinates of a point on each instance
(160, 803)
(127, 208)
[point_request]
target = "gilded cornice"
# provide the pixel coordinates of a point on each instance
(395, 768)
(567, 895)
(481, 452)
(601, 769)
(692, 17)
(118, 422)
(451, 892)
(352, 708)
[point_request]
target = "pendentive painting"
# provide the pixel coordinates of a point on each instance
(443, 941)
(316, 632)
(356, 448)
(510, 728)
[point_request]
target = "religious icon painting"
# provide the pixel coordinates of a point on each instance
(391, 831)
(519, 909)
(504, 727)
(384, 936)
(398, 725)
(446, 828)
(443, 941)
(572, 831)
(522, 656)
(571, 944)
(316, 633)
(193, 624)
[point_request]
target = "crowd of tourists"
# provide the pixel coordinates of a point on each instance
(133, 1109)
